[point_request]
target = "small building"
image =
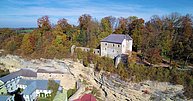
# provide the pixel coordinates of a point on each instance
(116, 44)
(50, 74)
(55, 74)
(10, 81)
(111, 46)
(35, 88)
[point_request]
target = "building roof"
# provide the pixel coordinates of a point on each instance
(26, 72)
(25, 82)
(10, 76)
(22, 72)
(4, 97)
(116, 38)
(49, 71)
(34, 84)
(30, 89)
(86, 97)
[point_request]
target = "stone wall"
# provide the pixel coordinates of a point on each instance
(67, 81)
(95, 51)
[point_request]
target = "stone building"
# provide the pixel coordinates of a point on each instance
(116, 44)
(57, 75)
(35, 88)
(50, 74)
(112, 46)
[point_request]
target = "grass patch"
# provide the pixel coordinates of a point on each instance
(70, 92)
(43, 99)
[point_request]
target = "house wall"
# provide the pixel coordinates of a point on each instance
(26, 97)
(124, 46)
(130, 44)
(56, 76)
(111, 49)
(12, 85)
(103, 49)
(46, 92)
(22, 86)
(3, 89)
(33, 96)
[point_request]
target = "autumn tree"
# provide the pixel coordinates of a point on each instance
(44, 23)
(89, 30)
(153, 55)
(122, 26)
(28, 44)
(137, 32)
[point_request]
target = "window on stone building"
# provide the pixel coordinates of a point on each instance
(113, 45)
(105, 43)
(118, 45)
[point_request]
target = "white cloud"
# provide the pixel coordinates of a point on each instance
(72, 9)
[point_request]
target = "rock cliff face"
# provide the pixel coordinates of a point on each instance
(143, 91)
(106, 87)
(15, 63)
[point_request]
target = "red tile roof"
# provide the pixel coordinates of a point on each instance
(86, 97)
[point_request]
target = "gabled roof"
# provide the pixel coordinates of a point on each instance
(34, 84)
(116, 38)
(86, 97)
(10, 76)
(30, 89)
(26, 72)
(25, 82)
(49, 71)
(22, 72)
(4, 97)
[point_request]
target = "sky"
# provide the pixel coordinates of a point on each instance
(24, 13)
